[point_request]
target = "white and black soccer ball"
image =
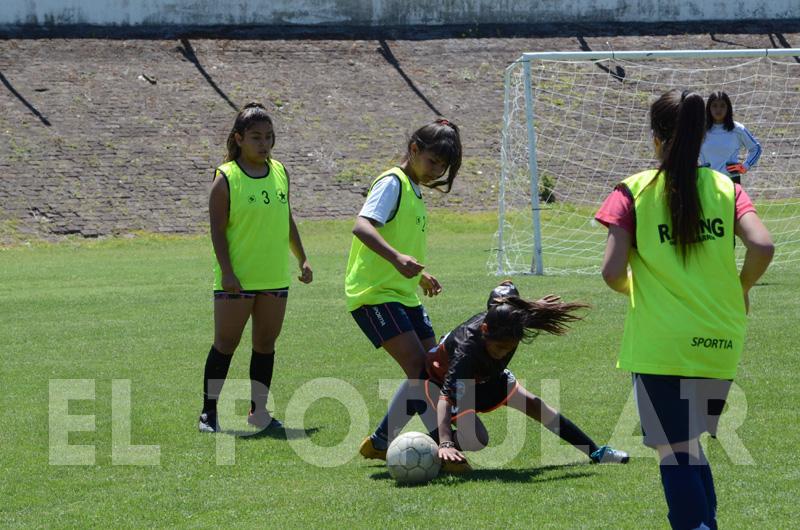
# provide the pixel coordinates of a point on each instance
(413, 458)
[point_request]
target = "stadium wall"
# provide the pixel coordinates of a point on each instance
(49, 13)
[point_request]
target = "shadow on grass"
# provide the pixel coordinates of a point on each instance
(528, 475)
(286, 433)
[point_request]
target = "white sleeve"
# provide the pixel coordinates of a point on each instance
(381, 203)
(750, 143)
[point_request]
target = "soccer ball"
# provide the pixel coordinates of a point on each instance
(413, 458)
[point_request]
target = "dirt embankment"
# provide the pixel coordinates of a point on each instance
(112, 136)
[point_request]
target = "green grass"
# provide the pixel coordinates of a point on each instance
(141, 310)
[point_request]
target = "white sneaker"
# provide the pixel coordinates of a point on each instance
(208, 422)
(608, 455)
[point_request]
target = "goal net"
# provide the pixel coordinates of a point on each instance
(576, 124)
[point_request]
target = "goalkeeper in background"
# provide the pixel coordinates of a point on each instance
(725, 138)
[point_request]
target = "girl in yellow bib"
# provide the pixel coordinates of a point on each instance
(387, 258)
(252, 231)
(685, 327)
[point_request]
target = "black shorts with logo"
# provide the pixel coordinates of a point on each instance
(245, 294)
(674, 409)
(382, 322)
(476, 397)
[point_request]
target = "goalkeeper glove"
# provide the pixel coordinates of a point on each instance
(737, 169)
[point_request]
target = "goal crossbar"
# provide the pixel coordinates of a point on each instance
(655, 54)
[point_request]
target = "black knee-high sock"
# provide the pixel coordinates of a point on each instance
(684, 491)
(704, 470)
(707, 479)
(261, 367)
(407, 401)
(216, 370)
(569, 432)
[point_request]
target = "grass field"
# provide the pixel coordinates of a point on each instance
(140, 310)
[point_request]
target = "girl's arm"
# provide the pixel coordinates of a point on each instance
(446, 433)
(296, 245)
(703, 159)
(760, 249)
(366, 232)
(218, 201)
(615, 262)
(751, 144)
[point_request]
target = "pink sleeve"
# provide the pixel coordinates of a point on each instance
(617, 210)
(743, 202)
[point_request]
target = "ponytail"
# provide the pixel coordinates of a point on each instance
(513, 318)
(678, 120)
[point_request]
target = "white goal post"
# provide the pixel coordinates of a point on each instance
(576, 123)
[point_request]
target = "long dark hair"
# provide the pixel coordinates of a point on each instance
(443, 139)
(728, 123)
(250, 114)
(513, 318)
(678, 120)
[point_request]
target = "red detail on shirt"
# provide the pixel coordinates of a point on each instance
(437, 363)
(617, 209)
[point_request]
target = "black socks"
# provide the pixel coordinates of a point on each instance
(216, 371)
(261, 367)
(571, 433)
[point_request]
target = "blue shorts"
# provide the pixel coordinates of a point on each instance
(674, 409)
(382, 322)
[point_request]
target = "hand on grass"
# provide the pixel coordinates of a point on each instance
(451, 454)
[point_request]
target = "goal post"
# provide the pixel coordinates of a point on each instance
(576, 123)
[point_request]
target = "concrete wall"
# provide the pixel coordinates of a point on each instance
(381, 12)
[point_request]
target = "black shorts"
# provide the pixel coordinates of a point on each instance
(476, 397)
(385, 321)
(277, 293)
(675, 409)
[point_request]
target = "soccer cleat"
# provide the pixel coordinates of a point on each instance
(456, 468)
(368, 450)
(208, 422)
(608, 455)
(263, 420)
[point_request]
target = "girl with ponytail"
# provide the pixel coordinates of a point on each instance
(252, 232)
(684, 332)
(467, 374)
(386, 266)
